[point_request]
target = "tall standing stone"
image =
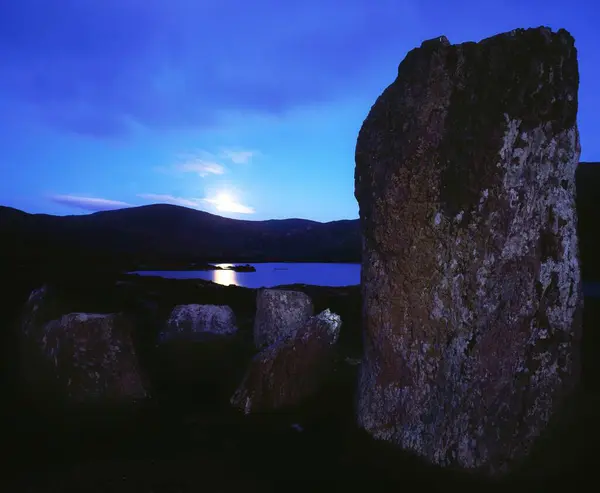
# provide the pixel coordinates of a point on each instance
(470, 275)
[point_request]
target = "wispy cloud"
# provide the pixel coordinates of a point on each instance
(89, 203)
(202, 168)
(238, 157)
(201, 163)
(204, 163)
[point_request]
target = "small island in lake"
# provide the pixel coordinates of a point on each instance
(241, 268)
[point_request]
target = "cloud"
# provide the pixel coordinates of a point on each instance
(238, 157)
(202, 168)
(105, 68)
(202, 163)
(89, 203)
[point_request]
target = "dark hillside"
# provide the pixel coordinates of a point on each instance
(167, 233)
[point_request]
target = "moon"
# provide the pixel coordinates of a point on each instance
(225, 201)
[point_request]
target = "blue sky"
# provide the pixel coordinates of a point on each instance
(247, 109)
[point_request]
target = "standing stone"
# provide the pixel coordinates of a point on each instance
(470, 275)
(291, 369)
(279, 313)
(94, 357)
(78, 358)
(199, 357)
(188, 322)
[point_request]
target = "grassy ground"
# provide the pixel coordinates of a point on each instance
(178, 449)
(195, 442)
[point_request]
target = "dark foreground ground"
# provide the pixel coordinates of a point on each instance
(187, 438)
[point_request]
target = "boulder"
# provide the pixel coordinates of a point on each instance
(291, 369)
(279, 313)
(200, 358)
(194, 322)
(470, 274)
(81, 358)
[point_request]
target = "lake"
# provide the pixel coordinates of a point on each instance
(269, 274)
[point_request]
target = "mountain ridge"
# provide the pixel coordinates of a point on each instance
(170, 234)
(174, 235)
(165, 206)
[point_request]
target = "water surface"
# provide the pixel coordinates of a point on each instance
(269, 274)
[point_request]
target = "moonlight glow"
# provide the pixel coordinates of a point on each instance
(226, 202)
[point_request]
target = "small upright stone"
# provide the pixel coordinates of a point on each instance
(189, 322)
(279, 313)
(470, 274)
(94, 357)
(291, 369)
(78, 358)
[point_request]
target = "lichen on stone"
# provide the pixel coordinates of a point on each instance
(93, 356)
(194, 320)
(291, 368)
(471, 286)
(279, 313)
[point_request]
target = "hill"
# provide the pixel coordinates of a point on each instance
(172, 236)
(168, 234)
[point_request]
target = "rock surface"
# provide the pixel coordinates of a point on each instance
(292, 369)
(189, 322)
(279, 313)
(85, 357)
(471, 282)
